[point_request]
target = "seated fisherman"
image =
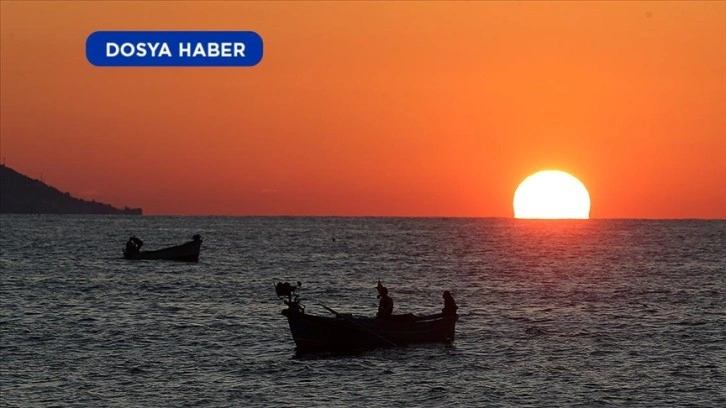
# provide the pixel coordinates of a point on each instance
(133, 245)
(449, 304)
(385, 305)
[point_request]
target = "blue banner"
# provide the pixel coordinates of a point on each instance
(174, 48)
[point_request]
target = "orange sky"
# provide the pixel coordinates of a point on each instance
(381, 108)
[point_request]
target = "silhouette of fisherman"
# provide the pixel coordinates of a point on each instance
(133, 245)
(385, 304)
(449, 304)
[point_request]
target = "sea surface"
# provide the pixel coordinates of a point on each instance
(552, 313)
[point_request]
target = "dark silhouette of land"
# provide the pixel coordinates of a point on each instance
(20, 194)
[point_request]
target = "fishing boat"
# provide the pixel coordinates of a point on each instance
(186, 252)
(344, 332)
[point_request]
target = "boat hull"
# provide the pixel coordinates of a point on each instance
(187, 252)
(346, 333)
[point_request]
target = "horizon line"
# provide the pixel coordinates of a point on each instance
(381, 216)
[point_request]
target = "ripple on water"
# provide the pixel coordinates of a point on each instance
(553, 314)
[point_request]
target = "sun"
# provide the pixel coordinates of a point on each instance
(551, 194)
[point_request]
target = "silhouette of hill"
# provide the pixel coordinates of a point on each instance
(20, 194)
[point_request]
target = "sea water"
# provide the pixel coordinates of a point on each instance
(552, 313)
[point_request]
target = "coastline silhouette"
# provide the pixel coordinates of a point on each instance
(22, 195)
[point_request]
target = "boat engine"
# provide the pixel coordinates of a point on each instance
(286, 290)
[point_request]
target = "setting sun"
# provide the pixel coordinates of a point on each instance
(551, 194)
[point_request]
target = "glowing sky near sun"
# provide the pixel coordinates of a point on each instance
(376, 108)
